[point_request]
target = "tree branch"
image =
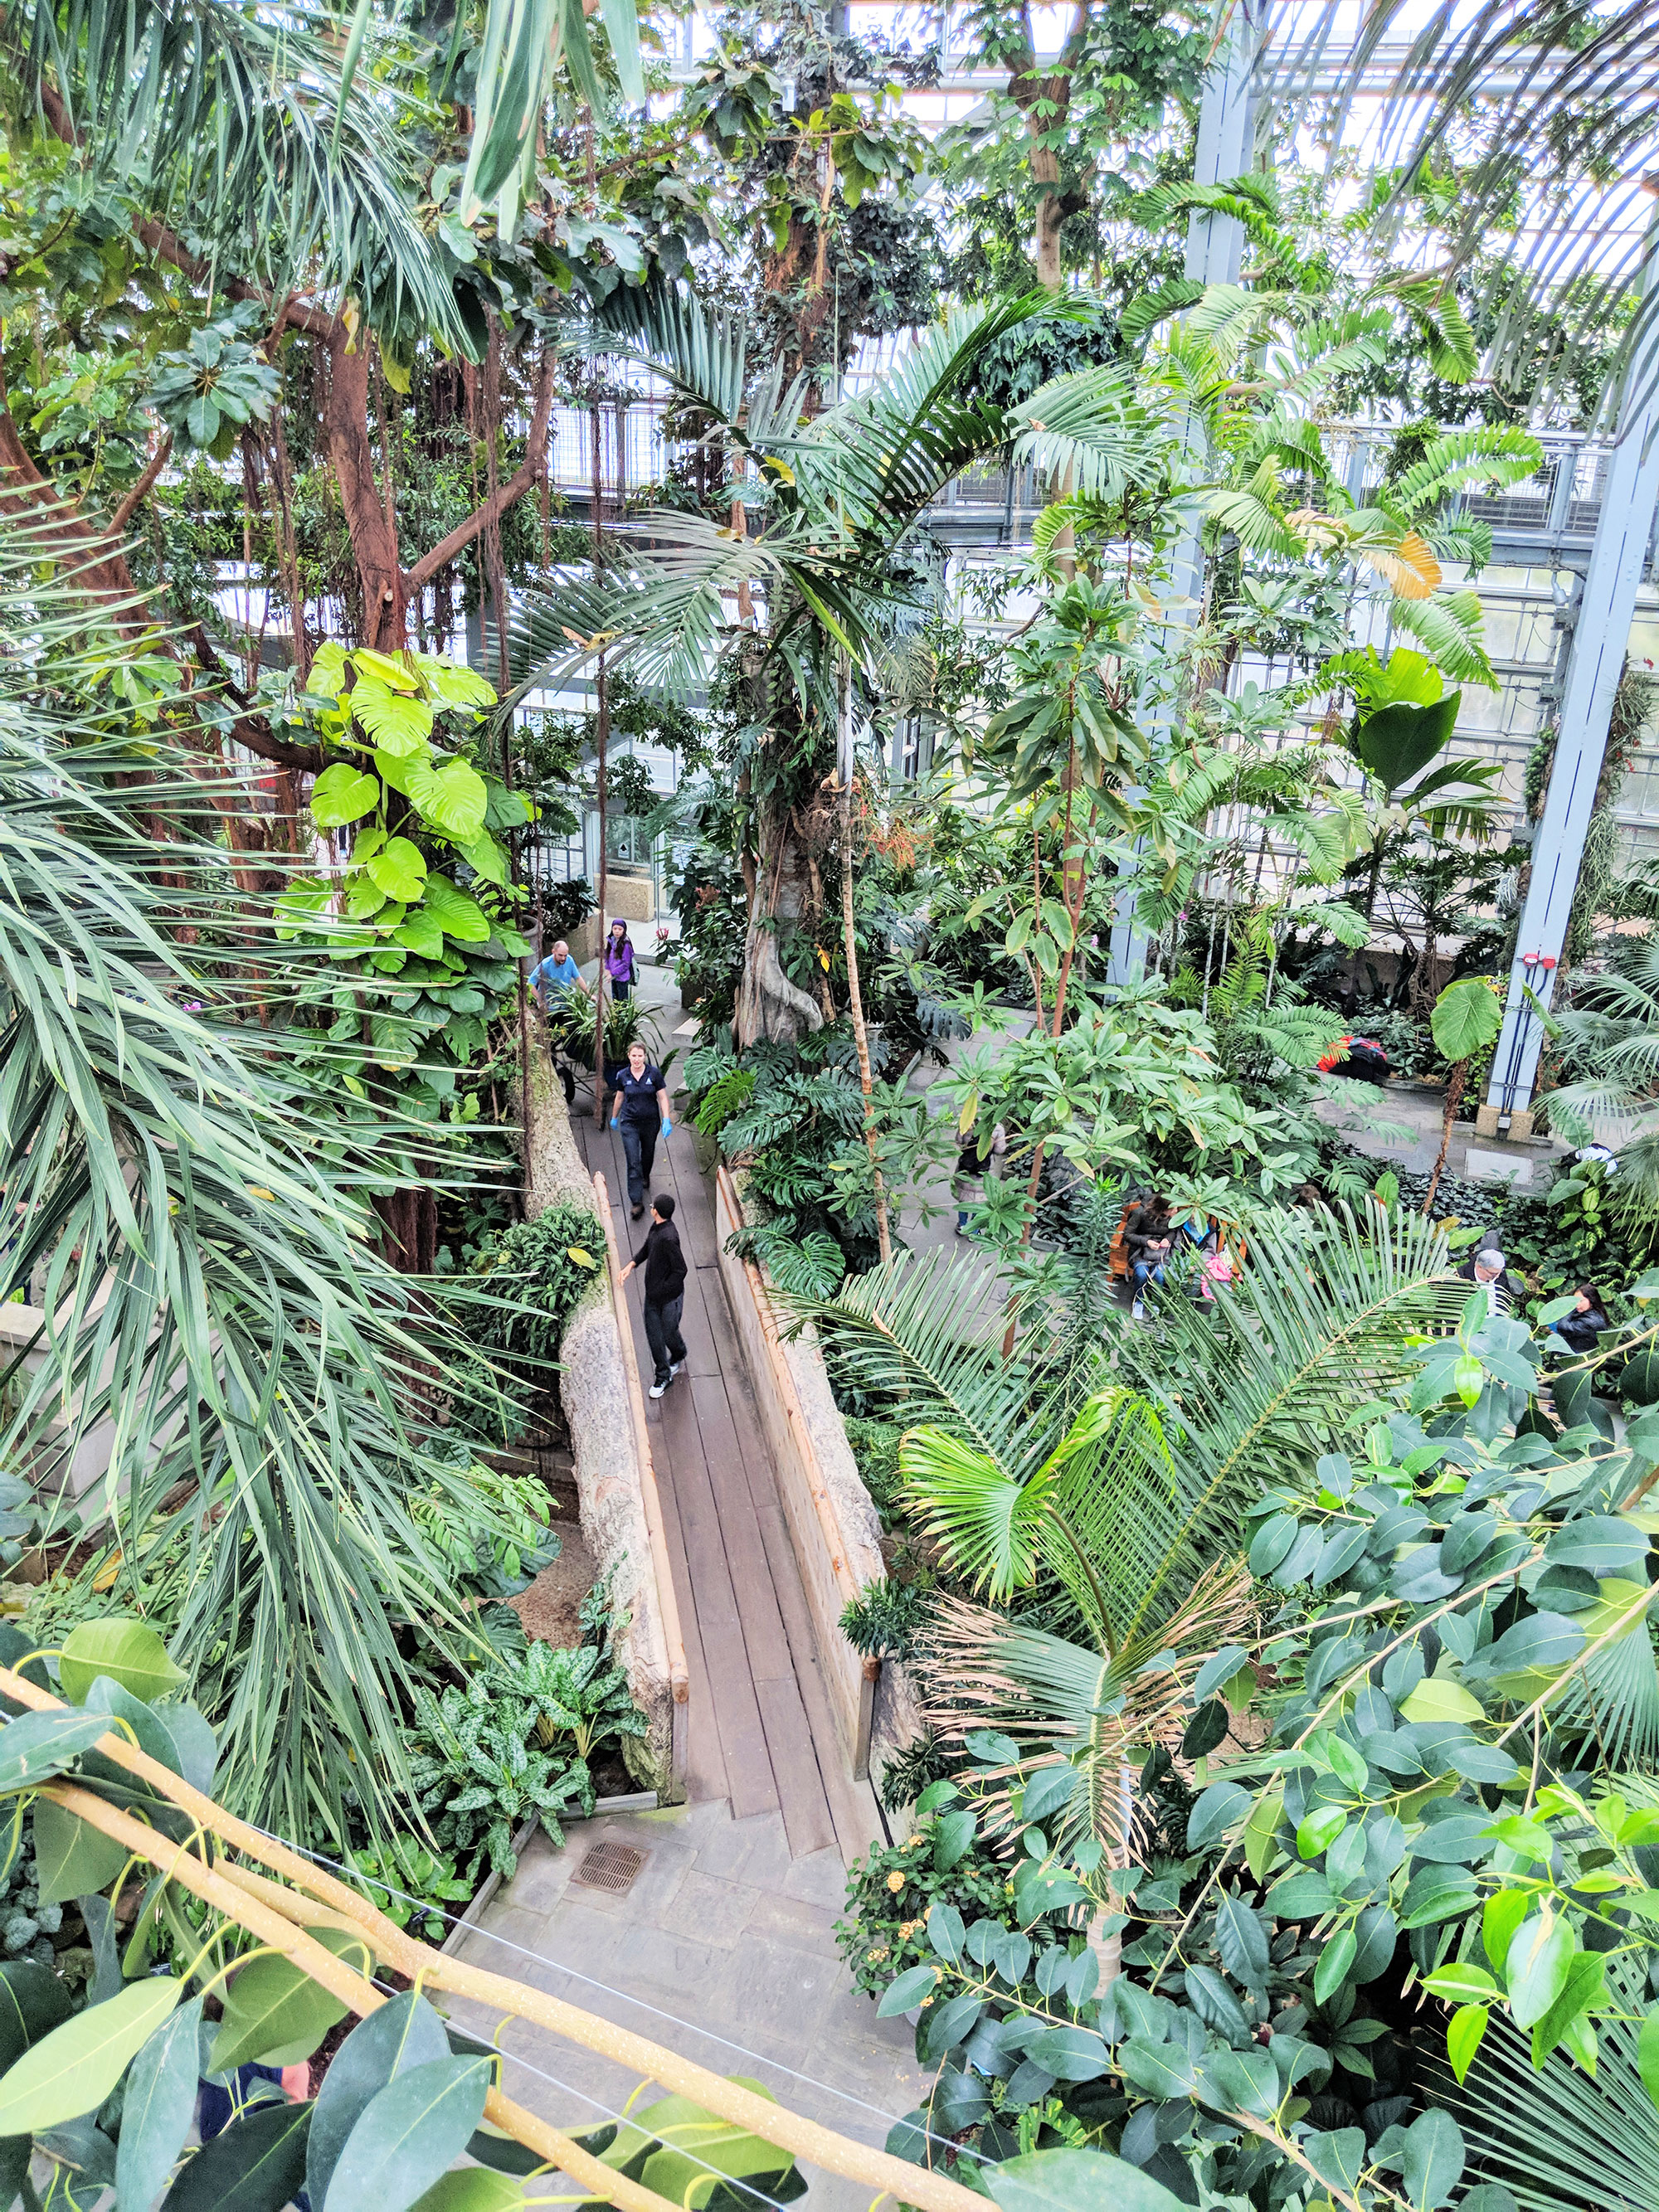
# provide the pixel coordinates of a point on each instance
(527, 473)
(247, 729)
(153, 468)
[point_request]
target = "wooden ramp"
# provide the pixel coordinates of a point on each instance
(762, 1733)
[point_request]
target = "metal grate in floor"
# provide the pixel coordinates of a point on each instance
(611, 1866)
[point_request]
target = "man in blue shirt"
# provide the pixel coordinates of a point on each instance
(555, 971)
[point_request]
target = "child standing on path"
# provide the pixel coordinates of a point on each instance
(619, 961)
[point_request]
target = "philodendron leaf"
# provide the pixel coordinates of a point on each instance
(1076, 2181)
(129, 1651)
(1466, 1017)
(75, 2068)
(403, 2033)
(275, 2013)
(158, 2107)
(258, 2165)
(73, 1858)
(343, 793)
(409, 2134)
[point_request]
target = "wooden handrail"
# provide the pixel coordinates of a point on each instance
(668, 1610)
(828, 1520)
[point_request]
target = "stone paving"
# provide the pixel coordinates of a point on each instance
(722, 1935)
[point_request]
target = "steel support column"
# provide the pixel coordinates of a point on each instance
(1215, 248)
(1595, 660)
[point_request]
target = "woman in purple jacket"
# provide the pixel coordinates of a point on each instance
(619, 961)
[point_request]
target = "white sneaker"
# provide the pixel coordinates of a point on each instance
(1137, 1310)
(657, 1388)
(674, 1368)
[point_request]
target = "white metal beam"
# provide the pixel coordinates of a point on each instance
(1595, 661)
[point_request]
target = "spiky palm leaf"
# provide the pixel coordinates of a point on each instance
(249, 130)
(1095, 433)
(1559, 2141)
(1073, 1705)
(199, 1217)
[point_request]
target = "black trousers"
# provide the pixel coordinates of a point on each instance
(662, 1333)
(639, 1144)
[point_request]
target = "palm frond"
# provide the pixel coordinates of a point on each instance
(242, 128)
(1448, 629)
(1093, 432)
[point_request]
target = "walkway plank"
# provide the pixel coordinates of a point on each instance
(762, 1731)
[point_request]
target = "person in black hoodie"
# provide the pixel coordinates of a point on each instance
(1580, 1331)
(664, 1292)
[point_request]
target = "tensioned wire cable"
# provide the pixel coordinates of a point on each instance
(623, 2119)
(644, 2004)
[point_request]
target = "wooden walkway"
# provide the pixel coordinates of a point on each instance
(762, 1733)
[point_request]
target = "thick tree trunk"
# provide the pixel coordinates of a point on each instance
(769, 1004)
(373, 530)
(1454, 1083)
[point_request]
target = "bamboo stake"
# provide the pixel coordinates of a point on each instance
(355, 1990)
(774, 2123)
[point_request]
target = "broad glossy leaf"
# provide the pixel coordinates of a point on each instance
(398, 869)
(36, 1745)
(471, 2189)
(1157, 2069)
(256, 2164)
(73, 1859)
(1436, 1698)
(403, 2033)
(177, 1735)
(457, 914)
(74, 2069)
(1537, 1967)
(159, 2105)
(1332, 1967)
(1337, 2158)
(1431, 2164)
(1071, 2054)
(410, 2133)
(907, 1991)
(33, 2002)
(1464, 2034)
(1076, 2181)
(129, 1651)
(397, 724)
(275, 2013)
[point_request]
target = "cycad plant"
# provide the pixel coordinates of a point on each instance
(1120, 1468)
(195, 1217)
(1608, 1044)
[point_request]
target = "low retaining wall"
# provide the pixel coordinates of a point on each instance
(616, 1486)
(832, 1524)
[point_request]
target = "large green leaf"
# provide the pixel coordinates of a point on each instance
(74, 2069)
(159, 2105)
(256, 2164)
(174, 1735)
(471, 2189)
(275, 2013)
(33, 2002)
(343, 793)
(404, 2032)
(129, 1651)
(410, 2133)
(1076, 2181)
(1397, 741)
(1468, 1015)
(73, 1859)
(36, 1745)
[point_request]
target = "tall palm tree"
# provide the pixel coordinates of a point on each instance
(194, 1216)
(1122, 1466)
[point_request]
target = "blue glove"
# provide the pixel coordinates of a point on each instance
(613, 1120)
(667, 1126)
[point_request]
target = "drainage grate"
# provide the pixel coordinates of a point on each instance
(611, 1866)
